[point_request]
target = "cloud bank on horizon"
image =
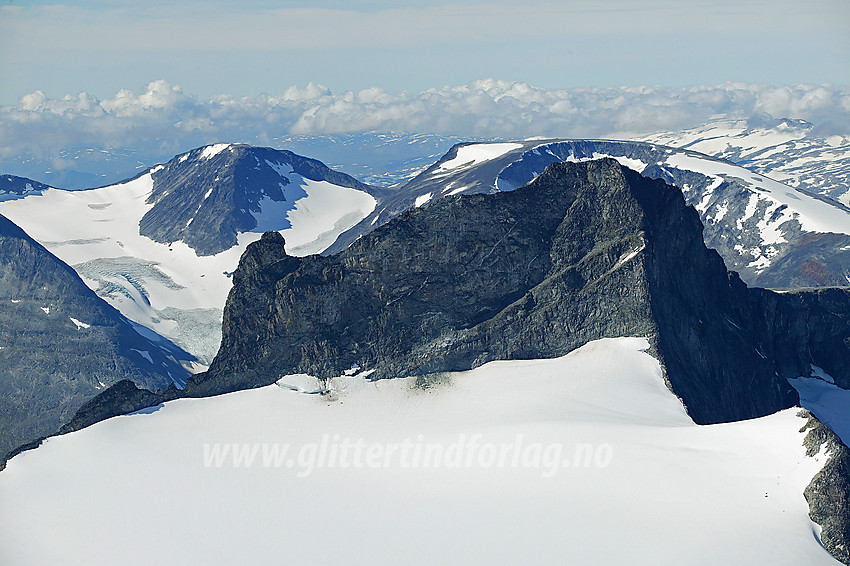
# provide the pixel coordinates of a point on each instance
(165, 120)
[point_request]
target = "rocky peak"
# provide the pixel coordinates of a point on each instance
(210, 195)
(264, 259)
(588, 250)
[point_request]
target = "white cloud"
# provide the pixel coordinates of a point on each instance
(164, 119)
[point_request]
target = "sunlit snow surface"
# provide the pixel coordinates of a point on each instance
(137, 490)
(474, 154)
(792, 153)
(827, 401)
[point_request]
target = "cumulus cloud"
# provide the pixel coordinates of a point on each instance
(164, 119)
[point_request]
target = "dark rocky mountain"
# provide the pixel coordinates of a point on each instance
(828, 494)
(206, 197)
(13, 187)
(585, 251)
(60, 345)
(750, 220)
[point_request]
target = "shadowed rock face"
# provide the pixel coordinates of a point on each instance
(60, 344)
(13, 187)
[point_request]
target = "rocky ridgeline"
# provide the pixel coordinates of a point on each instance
(733, 208)
(828, 494)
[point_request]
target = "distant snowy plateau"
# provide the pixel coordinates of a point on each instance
(587, 458)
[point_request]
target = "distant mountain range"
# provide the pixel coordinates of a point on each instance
(788, 151)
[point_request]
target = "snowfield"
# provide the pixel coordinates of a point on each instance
(813, 214)
(469, 155)
(791, 152)
(584, 459)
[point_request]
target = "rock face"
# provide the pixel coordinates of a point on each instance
(585, 251)
(205, 197)
(60, 344)
(828, 495)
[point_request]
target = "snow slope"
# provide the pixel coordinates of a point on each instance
(469, 155)
(170, 288)
(585, 459)
(826, 401)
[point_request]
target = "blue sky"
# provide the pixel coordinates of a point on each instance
(148, 80)
(252, 47)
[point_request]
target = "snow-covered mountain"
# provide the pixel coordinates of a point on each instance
(589, 258)
(161, 247)
(772, 234)
(588, 456)
(788, 151)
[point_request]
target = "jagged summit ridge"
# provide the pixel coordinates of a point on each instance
(773, 235)
(585, 251)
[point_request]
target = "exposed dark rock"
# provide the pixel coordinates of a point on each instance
(828, 494)
(49, 364)
(123, 398)
(728, 211)
(585, 251)
(206, 200)
(13, 187)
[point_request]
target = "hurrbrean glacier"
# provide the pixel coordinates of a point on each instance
(587, 457)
